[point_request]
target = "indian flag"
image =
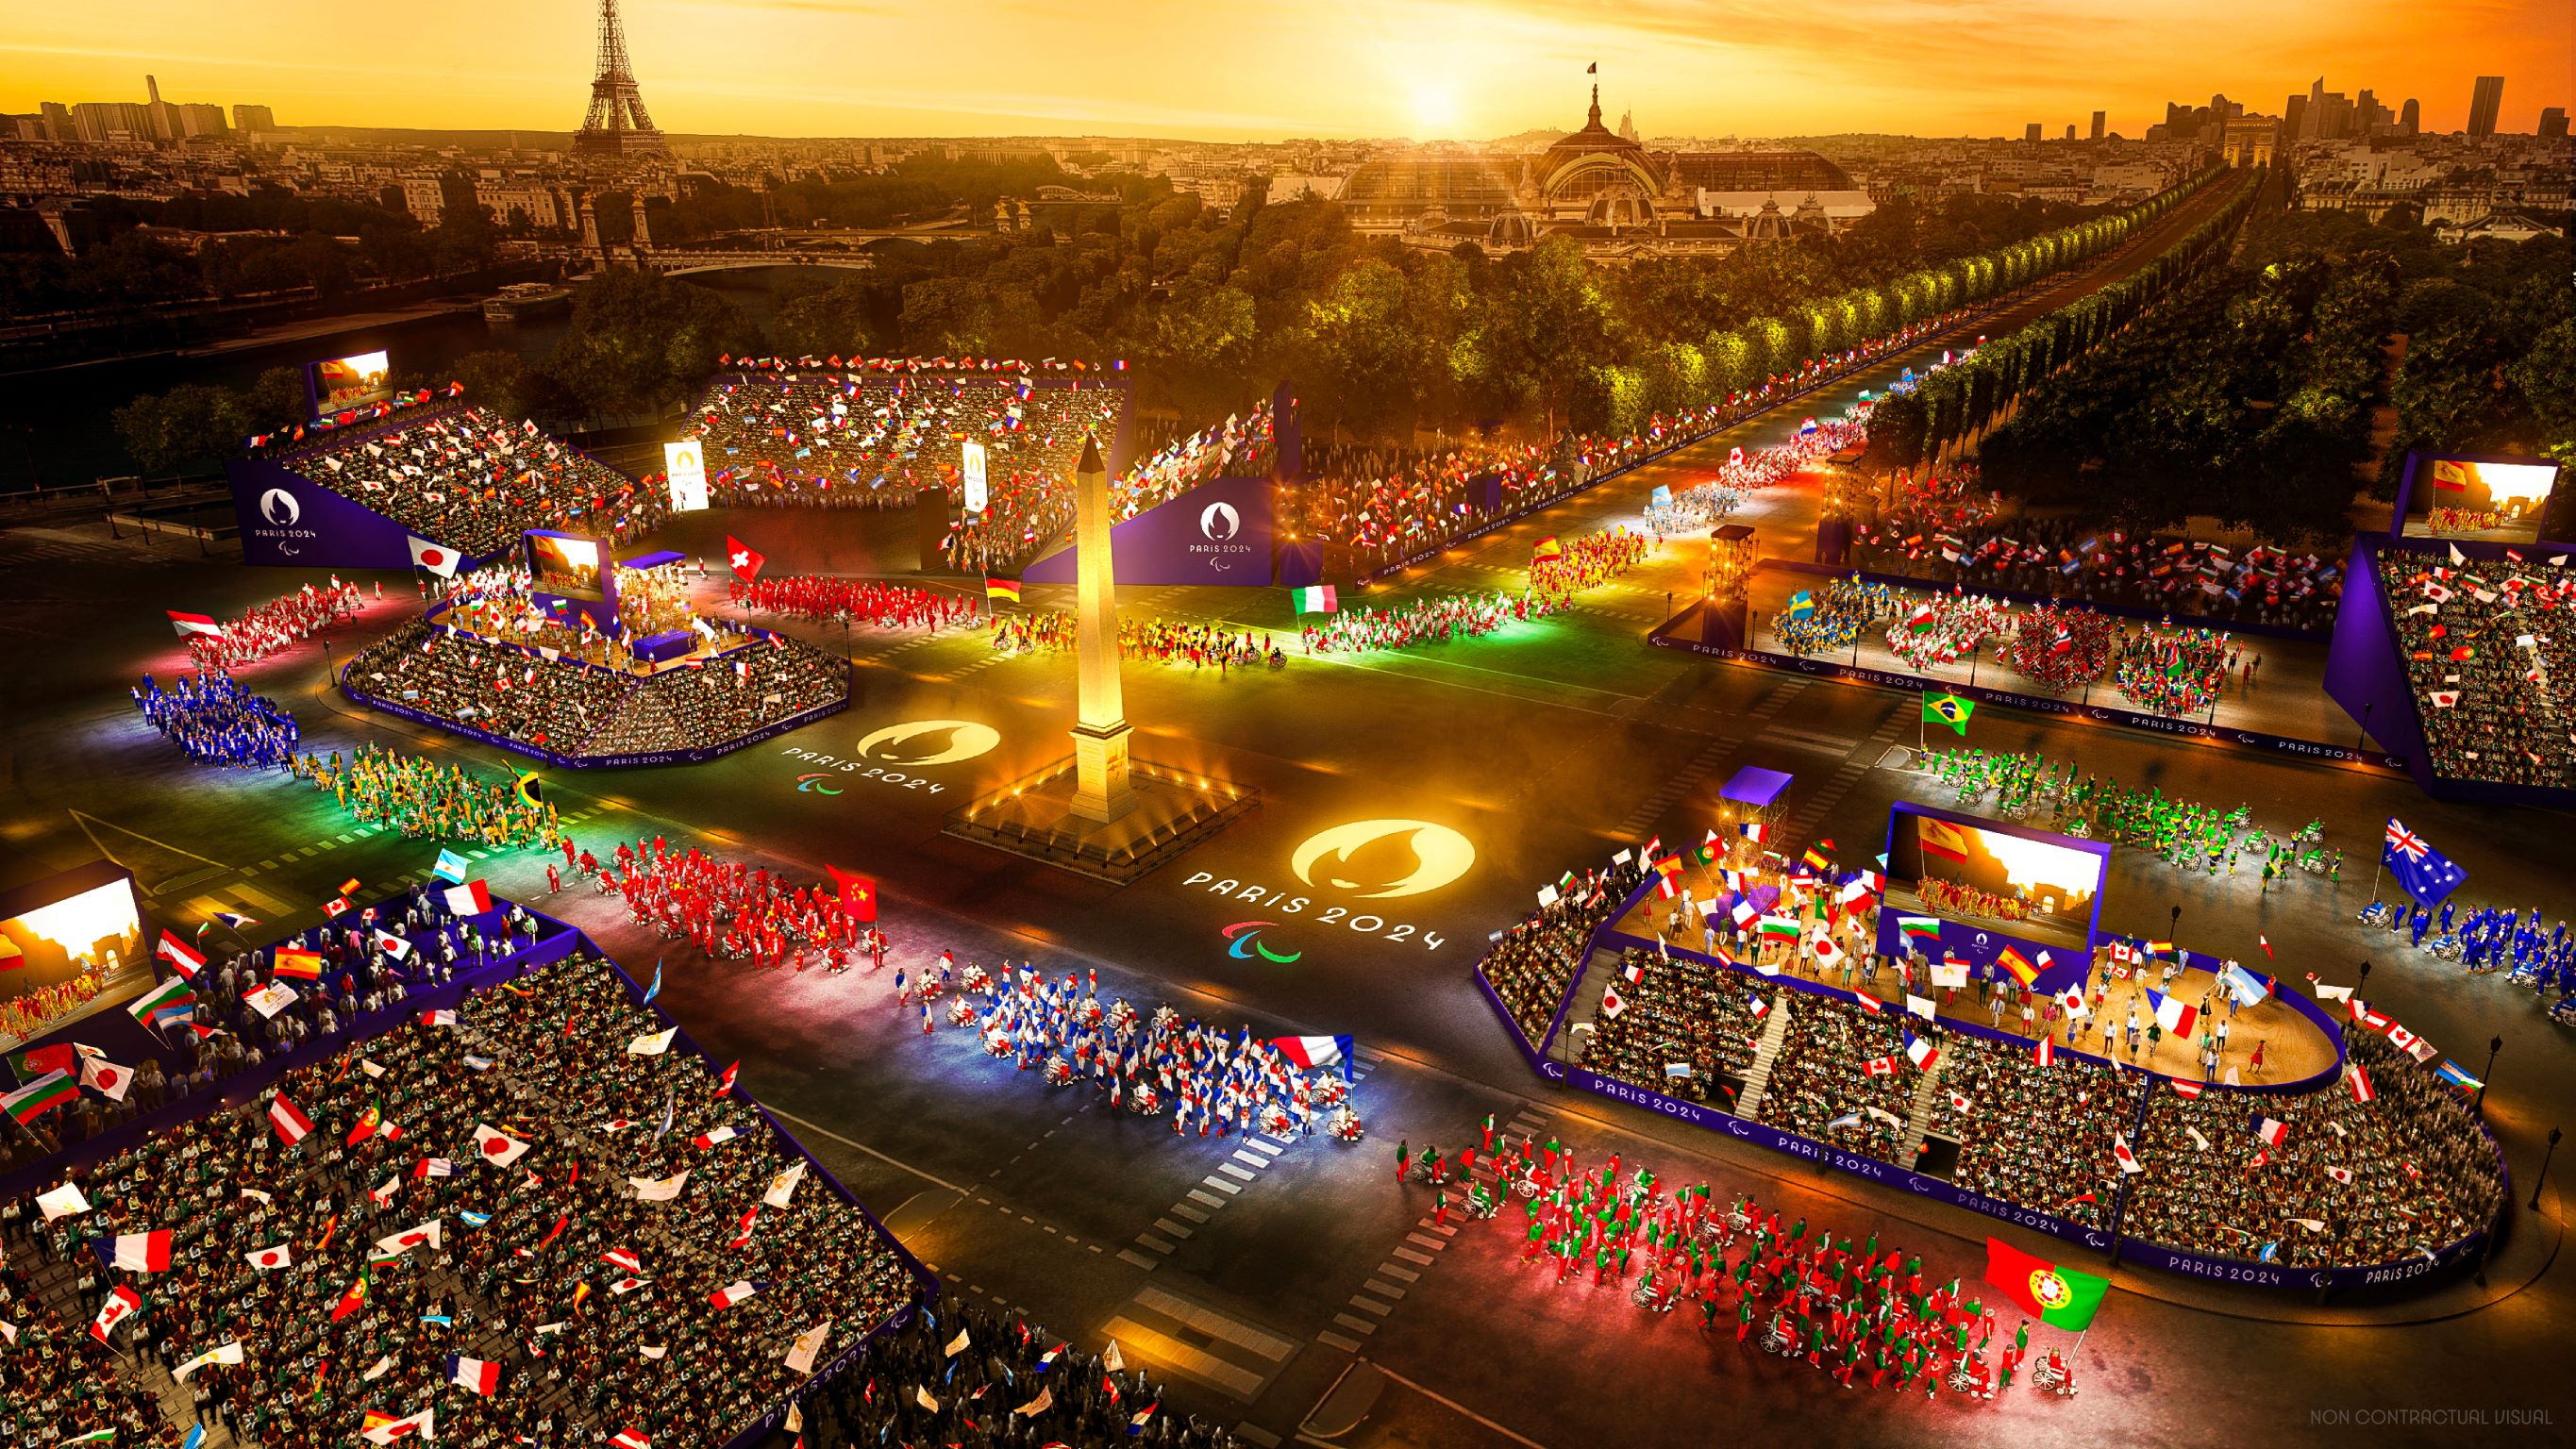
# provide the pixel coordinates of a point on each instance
(1919, 928)
(1319, 599)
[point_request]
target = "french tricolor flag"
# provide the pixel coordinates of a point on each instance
(473, 898)
(135, 1252)
(480, 1375)
(1316, 1051)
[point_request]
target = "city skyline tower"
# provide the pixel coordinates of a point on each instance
(617, 124)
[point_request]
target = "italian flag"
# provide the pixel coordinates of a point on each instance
(1319, 599)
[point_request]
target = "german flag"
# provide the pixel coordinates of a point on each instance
(1002, 589)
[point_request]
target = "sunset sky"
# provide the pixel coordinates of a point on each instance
(1250, 69)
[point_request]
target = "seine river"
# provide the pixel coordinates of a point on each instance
(56, 425)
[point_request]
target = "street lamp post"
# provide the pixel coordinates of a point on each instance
(2543, 1175)
(2493, 1047)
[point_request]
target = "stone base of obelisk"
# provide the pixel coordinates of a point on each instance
(1172, 812)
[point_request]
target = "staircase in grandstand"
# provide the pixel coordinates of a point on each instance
(1757, 1078)
(1928, 1095)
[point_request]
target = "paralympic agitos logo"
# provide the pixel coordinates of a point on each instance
(1243, 941)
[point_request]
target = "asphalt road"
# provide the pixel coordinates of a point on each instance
(1278, 1281)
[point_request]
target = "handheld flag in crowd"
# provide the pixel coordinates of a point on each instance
(1310, 1052)
(451, 867)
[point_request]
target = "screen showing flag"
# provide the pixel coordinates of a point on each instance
(66, 938)
(339, 384)
(1998, 885)
(563, 564)
(2479, 499)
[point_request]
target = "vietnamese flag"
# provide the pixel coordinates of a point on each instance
(2059, 1297)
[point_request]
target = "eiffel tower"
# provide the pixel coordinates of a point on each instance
(617, 124)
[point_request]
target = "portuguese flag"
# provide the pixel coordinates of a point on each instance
(2059, 1297)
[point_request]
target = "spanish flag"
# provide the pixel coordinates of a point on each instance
(300, 965)
(1941, 838)
(1002, 589)
(2021, 969)
(1547, 550)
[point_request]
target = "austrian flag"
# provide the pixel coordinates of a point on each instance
(292, 1125)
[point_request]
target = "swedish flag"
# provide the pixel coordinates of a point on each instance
(1949, 709)
(1801, 605)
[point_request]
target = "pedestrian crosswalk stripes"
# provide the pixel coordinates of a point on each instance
(1221, 1350)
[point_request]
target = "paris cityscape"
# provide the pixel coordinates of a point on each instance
(1483, 723)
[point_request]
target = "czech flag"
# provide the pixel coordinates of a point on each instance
(135, 1252)
(1310, 1052)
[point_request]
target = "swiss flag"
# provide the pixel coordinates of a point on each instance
(433, 557)
(745, 559)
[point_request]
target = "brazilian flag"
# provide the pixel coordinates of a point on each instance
(1948, 709)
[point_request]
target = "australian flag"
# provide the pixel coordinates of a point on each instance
(2425, 873)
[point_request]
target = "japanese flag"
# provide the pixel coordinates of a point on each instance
(497, 1147)
(430, 556)
(2121, 1154)
(265, 1259)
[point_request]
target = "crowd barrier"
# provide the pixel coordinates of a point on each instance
(2228, 736)
(2448, 1262)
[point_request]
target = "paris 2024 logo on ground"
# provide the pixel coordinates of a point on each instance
(1378, 860)
(925, 742)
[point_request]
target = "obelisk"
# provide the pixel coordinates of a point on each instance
(1102, 790)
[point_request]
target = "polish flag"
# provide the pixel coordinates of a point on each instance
(291, 1124)
(2359, 1081)
(732, 1294)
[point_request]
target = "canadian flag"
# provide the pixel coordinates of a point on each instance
(2045, 1052)
(497, 1147)
(427, 555)
(120, 1305)
(731, 1294)
(742, 1230)
(264, 1259)
(291, 1124)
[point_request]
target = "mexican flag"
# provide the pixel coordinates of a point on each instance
(2059, 1297)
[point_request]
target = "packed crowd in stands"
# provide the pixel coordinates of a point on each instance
(576, 708)
(1868, 1319)
(1684, 1027)
(2062, 558)
(218, 721)
(961, 1375)
(1239, 447)
(873, 603)
(2178, 670)
(1210, 1083)
(603, 1304)
(282, 623)
(1530, 965)
(2386, 1180)
(2484, 644)
(1679, 1019)
(831, 438)
(728, 910)
(500, 602)
(475, 481)
(426, 800)
(1163, 641)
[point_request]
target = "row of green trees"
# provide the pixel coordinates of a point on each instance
(2250, 393)
(1962, 400)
